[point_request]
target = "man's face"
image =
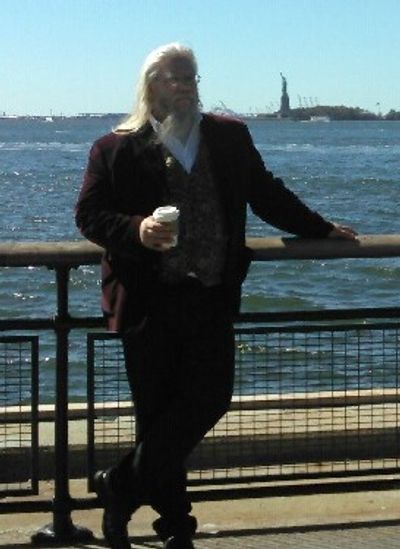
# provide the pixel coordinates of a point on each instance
(174, 90)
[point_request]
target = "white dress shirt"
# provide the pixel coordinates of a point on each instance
(185, 153)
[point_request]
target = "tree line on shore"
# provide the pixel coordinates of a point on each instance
(341, 113)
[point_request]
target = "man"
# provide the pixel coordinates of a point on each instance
(174, 305)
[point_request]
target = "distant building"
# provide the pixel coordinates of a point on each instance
(284, 111)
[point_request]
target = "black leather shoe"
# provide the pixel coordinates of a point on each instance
(179, 542)
(177, 532)
(116, 512)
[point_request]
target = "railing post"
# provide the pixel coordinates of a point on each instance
(62, 529)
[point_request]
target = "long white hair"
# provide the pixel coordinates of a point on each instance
(142, 109)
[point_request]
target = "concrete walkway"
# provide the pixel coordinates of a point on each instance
(362, 520)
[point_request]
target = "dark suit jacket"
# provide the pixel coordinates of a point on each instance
(125, 181)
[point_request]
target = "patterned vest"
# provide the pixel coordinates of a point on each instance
(202, 236)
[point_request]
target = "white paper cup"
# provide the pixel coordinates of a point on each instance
(168, 214)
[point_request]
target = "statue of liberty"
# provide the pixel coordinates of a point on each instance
(284, 111)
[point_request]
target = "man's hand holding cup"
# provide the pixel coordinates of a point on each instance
(160, 230)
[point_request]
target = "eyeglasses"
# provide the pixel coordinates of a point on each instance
(174, 81)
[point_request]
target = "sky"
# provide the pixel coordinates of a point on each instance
(74, 56)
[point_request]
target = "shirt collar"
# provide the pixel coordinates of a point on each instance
(185, 153)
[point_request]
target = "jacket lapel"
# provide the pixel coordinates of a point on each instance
(222, 164)
(146, 153)
(145, 146)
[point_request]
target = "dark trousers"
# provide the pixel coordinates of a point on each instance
(180, 367)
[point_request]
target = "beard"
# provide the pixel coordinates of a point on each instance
(179, 123)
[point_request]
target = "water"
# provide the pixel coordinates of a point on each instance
(348, 171)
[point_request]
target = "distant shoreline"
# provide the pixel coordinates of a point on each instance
(312, 114)
(54, 118)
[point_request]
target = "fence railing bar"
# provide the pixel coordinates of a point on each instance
(35, 414)
(81, 252)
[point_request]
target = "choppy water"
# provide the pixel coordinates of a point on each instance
(348, 171)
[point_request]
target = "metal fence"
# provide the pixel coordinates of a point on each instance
(316, 396)
(312, 400)
(19, 385)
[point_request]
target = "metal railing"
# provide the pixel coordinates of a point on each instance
(284, 414)
(312, 401)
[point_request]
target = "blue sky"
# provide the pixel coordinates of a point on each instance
(69, 56)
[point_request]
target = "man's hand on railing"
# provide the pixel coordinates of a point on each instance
(341, 231)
